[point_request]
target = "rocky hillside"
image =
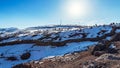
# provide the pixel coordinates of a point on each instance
(59, 46)
(92, 58)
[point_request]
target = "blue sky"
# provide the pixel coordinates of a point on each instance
(27, 13)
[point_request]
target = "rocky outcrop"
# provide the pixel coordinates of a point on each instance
(116, 37)
(108, 57)
(25, 56)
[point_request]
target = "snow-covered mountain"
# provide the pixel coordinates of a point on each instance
(41, 42)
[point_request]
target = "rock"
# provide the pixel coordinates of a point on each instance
(99, 53)
(116, 37)
(118, 51)
(108, 57)
(95, 64)
(98, 47)
(102, 47)
(22, 66)
(91, 48)
(112, 50)
(40, 62)
(25, 56)
(36, 62)
(117, 44)
(12, 58)
(98, 65)
(113, 57)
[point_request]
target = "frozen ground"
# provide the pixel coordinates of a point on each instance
(56, 34)
(38, 52)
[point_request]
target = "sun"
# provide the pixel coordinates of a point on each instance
(76, 8)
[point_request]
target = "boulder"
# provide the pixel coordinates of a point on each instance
(99, 53)
(25, 56)
(115, 37)
(112, 50)
(98, 47)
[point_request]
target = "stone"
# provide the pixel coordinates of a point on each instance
(25, 56)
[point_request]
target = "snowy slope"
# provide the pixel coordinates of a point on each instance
(37, 52)
(57, 34)
(52, 34)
